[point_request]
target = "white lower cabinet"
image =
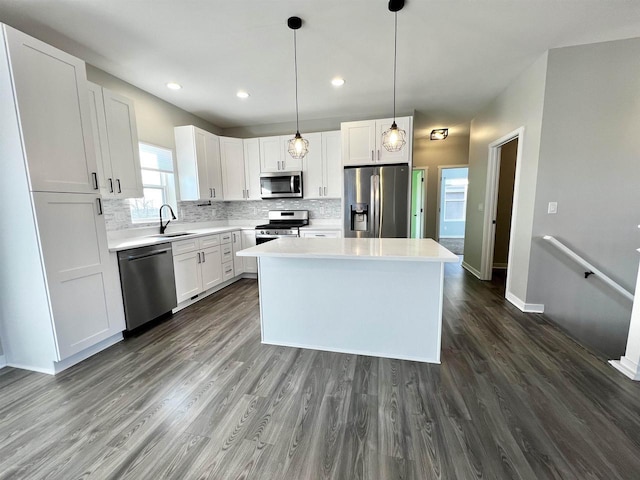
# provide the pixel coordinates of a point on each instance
(250, 264)
(236, 243)
(186, 268)
(211, 265)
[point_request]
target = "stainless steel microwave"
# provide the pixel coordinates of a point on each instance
(281, 185)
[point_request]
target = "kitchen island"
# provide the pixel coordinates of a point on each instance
(377, 297)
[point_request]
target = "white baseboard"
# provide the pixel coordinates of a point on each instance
(500, 266)
(215, 289)
(86, 353)
(524, 307)
(471, 270)
(3, 361)
(627, 367)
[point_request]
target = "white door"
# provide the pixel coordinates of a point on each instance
(186, 268)
(83, 284)
(53, 103)
(249, 240)
(211, 266)
(214, 167)
(358, 142)
(290, 164)
(233, 176)
(331, 156)
(101, 144)
(402, 156)
(252, 168)
(271, 154)
(313, 172)
(122, 134)
(236, 242)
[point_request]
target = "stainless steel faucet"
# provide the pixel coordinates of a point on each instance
(173, 217)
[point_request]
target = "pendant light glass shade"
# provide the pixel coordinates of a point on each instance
(394, 138)
(298, 146)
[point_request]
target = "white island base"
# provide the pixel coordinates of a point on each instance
(377, 297)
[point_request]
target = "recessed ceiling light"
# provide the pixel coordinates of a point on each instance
(242, 94)
(337, 82)
(174, 86)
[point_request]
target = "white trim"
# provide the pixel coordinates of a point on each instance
(627, 367)
(471, 270)
(3, 361)
(425, 173)
(31, 368)
(524, 307)
(499, 266)
(491, 206)
(204, 294)
(438, 205)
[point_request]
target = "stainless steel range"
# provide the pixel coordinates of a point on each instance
(282, 223)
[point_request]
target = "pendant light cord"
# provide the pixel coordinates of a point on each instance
(395, 56)
(295, 63)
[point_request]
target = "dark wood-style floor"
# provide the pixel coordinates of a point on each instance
(199, 397)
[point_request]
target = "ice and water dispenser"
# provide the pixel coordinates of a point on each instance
(359, 217)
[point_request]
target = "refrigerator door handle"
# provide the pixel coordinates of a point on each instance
(375, 203)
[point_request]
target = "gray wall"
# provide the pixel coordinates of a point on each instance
(155, 118)
(520, 105)
(454, 150)
(589, 164)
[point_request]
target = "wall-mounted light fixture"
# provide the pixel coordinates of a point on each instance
(439, 133)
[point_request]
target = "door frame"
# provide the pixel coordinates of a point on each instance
(425, 175)
(438, 203)
(491, 205)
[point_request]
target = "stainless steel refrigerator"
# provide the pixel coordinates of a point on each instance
(376, 201)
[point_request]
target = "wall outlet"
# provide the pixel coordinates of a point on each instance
(552, 208)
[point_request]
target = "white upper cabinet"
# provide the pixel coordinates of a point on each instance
(50, 89)
(199, 164)
(116, 143)
(252, 167)
(274, 155)
(233, 168)
(323, 166)
(362, 142)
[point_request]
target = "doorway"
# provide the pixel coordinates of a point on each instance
(504, 205)
(453, 187)
(418, 196)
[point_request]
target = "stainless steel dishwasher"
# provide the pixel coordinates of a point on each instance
(148, 283)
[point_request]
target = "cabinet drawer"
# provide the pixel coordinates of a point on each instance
(225, 238)
(227, 270)
(210, 241)
(185, 246)
(227, 253)
(321, 234)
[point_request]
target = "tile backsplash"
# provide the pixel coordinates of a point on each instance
(118, 217)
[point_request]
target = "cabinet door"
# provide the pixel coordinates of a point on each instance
(101, 144)
(358, 142)
(83, 283)
(290, 164)
(313, 172)
(238, 264)
(214, 167)
(122, 135)
(252, 168)
(331, 156)
(271, 154)
(404, 155)
(211, 267)
(186, 268)
(233, 176)
(249, 240)
(53, 104)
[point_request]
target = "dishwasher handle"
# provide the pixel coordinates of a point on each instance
(131, 258)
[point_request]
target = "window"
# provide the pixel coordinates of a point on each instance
(158, 184)
(455, 199)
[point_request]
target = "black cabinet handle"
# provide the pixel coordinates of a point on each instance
(111, 185)
(119, 186)
(99, 204)
(95, 180)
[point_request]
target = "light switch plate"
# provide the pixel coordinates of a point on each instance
(553, 208)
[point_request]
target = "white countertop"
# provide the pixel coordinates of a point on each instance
(404, 249)
(143, 241)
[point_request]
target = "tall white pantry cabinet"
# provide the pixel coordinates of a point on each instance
(60, 298)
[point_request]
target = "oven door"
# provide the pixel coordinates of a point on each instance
(281, 185)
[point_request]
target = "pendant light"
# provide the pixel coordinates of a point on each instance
(298, 146)
(394, 138)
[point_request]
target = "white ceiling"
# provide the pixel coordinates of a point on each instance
(453, 55)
